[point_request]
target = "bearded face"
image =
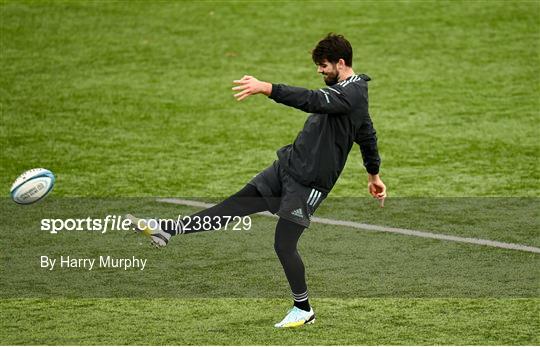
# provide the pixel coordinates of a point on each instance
(329, 71)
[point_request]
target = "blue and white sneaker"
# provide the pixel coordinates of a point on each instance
(297, 317)
(150, 228)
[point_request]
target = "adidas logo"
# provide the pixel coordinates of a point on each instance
(298, 213)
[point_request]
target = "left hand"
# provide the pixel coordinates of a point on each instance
(249, 85)
(376, 188)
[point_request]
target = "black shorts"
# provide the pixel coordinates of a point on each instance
(285, 196)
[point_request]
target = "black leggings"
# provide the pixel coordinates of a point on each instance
(249, 201)
(245, 202)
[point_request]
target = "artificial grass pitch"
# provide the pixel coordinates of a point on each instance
(135, 100)
(221, 321)
(226, 287)
(131, 100)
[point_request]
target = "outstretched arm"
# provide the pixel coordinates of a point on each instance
(330, 100)
(249, 85)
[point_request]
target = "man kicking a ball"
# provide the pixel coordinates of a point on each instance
(305, 172)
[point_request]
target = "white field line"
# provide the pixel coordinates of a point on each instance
(380, 228)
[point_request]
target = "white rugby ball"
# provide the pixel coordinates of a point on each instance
(32, 185)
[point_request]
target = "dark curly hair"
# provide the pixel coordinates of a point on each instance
(332, 48)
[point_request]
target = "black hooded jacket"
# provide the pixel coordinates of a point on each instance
(339, 118)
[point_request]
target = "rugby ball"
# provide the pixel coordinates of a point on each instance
(32, 185)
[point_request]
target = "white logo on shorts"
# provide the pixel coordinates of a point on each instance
(298, 213)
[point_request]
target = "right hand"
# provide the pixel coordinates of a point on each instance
(249, 85)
